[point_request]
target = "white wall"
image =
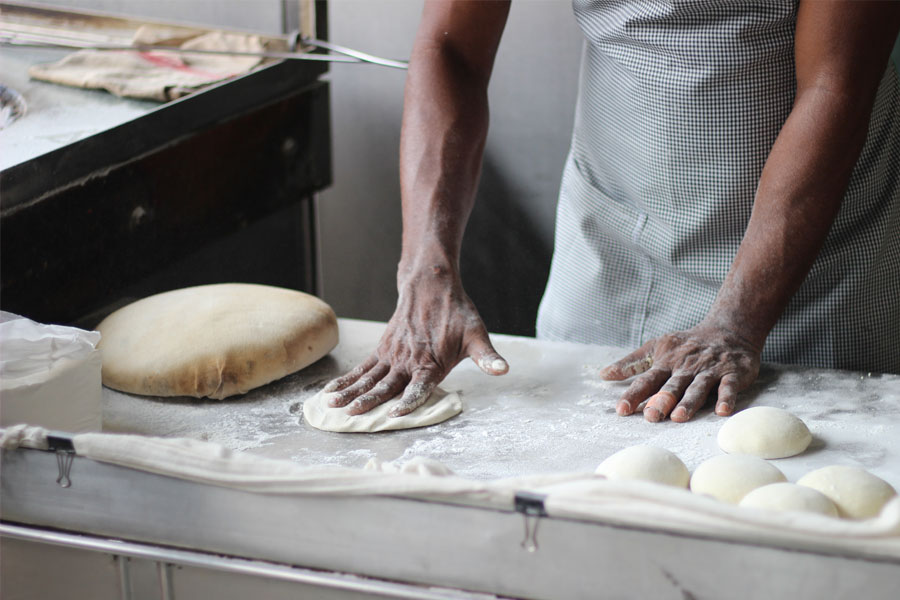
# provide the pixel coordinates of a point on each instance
(508, 243)
(509, 239)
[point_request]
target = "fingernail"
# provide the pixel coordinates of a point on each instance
(652, 415)
(679, 414)
(499, 365)
(722, 409)
(335, 400)
(623, 409)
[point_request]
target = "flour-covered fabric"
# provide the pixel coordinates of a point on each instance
(23, 436)
(213, 464)
(666, 507)
(680, 102)
(582, 496)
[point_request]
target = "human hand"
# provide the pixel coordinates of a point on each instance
(677, 372)
(434, 327)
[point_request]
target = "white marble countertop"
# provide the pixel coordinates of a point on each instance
(549, 413)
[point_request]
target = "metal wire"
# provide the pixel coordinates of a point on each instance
(344, 54)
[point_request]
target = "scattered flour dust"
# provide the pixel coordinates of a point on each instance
(557, 415)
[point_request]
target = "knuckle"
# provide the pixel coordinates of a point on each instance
(658, 374)
(380, 390)
(639, 384)
(415, 390)
(690, 403)
(705, 378)
(427, 371)
(366, 402)
(683, 372)
(669, 340)
(341, 395)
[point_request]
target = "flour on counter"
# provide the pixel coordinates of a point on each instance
(531, 420)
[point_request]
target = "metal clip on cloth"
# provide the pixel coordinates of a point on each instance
(65, 456)
(531, 506)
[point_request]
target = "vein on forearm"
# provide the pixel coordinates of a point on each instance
(841, 49)
(799, 196)
(444, 130)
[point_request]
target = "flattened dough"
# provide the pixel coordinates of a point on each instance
(764, 431)
(646, 463)
(213, 340)
(439, 407)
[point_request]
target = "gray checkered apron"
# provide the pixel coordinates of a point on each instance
(679, 105)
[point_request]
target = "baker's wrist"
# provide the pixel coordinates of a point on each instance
(428, 269)
(749, 330)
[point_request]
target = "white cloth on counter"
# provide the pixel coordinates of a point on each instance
(580, 496)
(213, 464)
(49, 375)
(679, 510)
(417, 465)
(23, 436)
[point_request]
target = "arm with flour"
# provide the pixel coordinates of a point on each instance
(445, 122)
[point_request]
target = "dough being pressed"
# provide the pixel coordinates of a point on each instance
(646, 463)
(213, 340)
(730, 477)
(764, 431)
(857, 493)
(790, 497)
(439, 407)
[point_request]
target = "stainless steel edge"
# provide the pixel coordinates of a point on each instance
(217, 562)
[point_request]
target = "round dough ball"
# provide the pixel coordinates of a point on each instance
(790, 497)
(766, 432)
(213, 340)
(730, 477)
(857, 493)
(647, 463)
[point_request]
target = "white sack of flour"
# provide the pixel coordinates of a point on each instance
(49, 375)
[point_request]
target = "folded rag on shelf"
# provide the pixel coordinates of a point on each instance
(157, 74)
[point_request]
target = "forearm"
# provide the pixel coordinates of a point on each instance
(445, 123)
(445, 118)
(841, 51)
(798, 198)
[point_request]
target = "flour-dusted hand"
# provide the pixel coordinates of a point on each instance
(445, 122)
(434, 328)
(676, 373)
